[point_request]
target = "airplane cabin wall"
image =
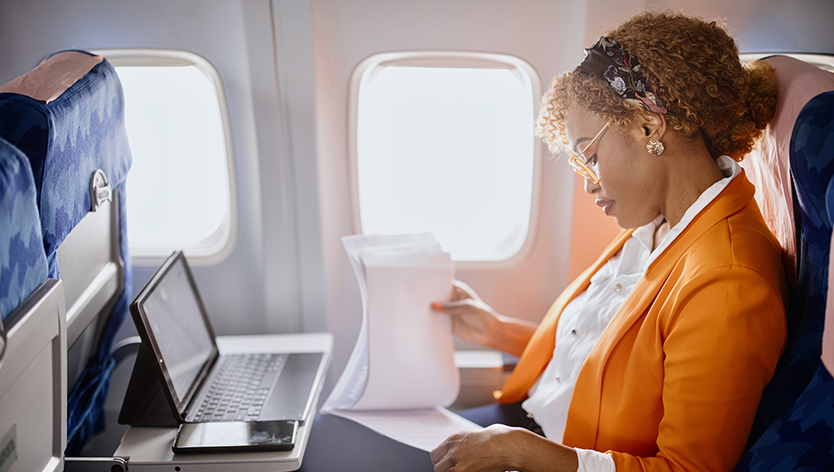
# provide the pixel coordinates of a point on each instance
(258, 287)
(285, 66)
(547, 34)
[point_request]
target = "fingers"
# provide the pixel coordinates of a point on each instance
(444, 465)
(461, 285)
(438, 453)
(441, 456)
(460, 293)
(461, 290)
(460, 307)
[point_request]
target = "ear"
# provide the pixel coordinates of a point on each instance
(653, 125)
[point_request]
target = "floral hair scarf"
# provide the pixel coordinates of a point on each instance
(607, 60)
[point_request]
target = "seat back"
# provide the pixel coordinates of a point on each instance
(33, 348)
(789, 430)
(803, 437)
(22, 260)
(67, 116)
(790, 208)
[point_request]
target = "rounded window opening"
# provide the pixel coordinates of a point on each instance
(444, 143)
(180, 192)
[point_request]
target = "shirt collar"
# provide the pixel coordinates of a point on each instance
(645, 234)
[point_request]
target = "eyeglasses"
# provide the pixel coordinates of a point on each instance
(579, 162)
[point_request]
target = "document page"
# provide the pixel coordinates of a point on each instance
(424, 428)
(402, 369)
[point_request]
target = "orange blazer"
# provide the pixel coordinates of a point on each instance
(675, 379)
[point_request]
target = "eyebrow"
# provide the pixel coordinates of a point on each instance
(578, 142)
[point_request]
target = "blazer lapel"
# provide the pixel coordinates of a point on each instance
(539, 349)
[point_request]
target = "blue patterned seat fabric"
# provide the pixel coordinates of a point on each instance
(22, 260)
(794, 428)
(66, 141)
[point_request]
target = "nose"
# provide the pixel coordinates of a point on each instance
(590, 187)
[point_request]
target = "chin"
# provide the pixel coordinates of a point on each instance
(629, 223)
(626, 225)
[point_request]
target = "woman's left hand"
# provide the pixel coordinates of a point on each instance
(485, 450)
(500, 448)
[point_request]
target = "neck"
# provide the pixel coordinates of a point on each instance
(689, 175)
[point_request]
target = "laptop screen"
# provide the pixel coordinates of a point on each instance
(182, 336)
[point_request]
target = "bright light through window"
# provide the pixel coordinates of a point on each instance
(178, 187)
(449, 151)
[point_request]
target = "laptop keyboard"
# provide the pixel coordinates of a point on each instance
(239, 390)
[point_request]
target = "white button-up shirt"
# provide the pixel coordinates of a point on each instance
(586, 316)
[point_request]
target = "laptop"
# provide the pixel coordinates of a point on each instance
(202, 385)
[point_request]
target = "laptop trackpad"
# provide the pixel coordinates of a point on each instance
(293, 393)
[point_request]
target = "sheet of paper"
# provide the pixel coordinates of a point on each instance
(353, 380)
(411, 353)
(424, 429)
(404, 353)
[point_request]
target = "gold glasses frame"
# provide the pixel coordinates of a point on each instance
(579, 163)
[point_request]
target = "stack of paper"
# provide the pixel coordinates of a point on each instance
(402, 370)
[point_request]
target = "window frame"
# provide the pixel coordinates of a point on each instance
(368, 68)
(219, 245)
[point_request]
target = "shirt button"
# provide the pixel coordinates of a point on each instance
(529, 415)
(558, 378)
(618, 287)
(573, 331)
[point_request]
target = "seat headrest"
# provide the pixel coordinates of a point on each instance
(53, 76)
(768, 166)
(69, 137)
(22, 260)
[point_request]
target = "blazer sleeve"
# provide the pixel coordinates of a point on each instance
(721, 337)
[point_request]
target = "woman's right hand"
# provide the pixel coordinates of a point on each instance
(472, 319)
(476, 322)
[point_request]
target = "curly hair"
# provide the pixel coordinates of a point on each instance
(694, 66)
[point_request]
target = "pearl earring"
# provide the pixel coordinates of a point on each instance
(655, 147)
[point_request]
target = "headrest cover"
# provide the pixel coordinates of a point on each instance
(768, 165)
(53, 76)
(66, 141)
(22, 260)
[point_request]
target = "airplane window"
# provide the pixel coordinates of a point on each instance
(448, 150)
(179, 187)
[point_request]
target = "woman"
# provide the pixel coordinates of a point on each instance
(655, 358)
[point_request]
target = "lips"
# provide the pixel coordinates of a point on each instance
(605, 205)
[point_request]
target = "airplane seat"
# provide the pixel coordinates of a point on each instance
(67, 116)
(23, 266)
(792, 429)
(33, 342)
